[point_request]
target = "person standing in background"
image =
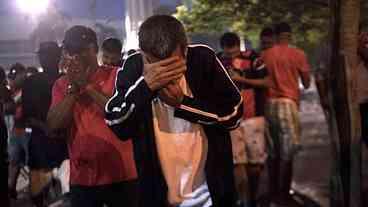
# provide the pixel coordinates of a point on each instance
(5, 99)
(112, 52)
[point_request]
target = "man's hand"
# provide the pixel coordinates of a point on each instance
(158, 75)
(235, 76)
(81, 79)
(78, 80)
(172, 94)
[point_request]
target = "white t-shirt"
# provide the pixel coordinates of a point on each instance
(182, 148)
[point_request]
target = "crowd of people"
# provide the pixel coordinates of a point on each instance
(169, 124)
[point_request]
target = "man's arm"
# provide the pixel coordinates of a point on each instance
(304, 70)
(223, 105)
(306, 79)
(259, 79)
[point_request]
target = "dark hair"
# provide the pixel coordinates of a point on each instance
(78, 38)
(2, 75)
(160, 35)
(229, 39)
(15, 70)
(112, 45)
(282, 28)
(32, 70)
(49, 55)
(267, 31)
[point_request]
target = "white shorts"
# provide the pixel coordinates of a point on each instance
(249, 143)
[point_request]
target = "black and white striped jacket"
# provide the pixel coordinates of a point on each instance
(216, 105)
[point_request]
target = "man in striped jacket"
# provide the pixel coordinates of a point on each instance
(177, 103)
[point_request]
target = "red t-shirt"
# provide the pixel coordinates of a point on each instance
(285, 64)
(97, 156)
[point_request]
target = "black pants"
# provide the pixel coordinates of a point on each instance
(364, 118)
(4, 200)
(122, 194)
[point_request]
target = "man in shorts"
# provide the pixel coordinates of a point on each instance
(248, 72)
(285, 66)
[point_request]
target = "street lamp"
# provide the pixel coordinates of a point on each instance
(33, 7)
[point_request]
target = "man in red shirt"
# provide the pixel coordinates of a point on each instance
(285, 65)
(102, 170)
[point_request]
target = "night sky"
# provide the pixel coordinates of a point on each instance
(111, 9)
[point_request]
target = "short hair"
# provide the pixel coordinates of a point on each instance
(15, 70)
(32, 70)
(283, 28)
(267, 31)
(160, 35)
(2, 75)
(112, 45)
(229, 39)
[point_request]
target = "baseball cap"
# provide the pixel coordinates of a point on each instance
(78, 38)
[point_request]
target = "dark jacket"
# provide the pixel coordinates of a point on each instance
(217, 106)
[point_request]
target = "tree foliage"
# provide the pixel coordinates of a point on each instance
(309, 19)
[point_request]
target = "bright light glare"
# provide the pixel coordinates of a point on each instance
(33, 7)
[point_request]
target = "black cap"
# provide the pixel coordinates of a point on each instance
(48, 47)
(79, 38)
(16, 69)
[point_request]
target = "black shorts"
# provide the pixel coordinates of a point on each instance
(45, 152)
(114, 195)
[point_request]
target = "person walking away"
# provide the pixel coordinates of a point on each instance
(286, 65)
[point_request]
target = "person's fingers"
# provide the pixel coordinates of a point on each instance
(164, 81)
(177, 71)
(164, 62)
(177, 64)
(167, 61)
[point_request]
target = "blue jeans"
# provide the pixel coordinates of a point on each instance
(18, 149)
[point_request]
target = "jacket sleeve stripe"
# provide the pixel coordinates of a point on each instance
(121, 119)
